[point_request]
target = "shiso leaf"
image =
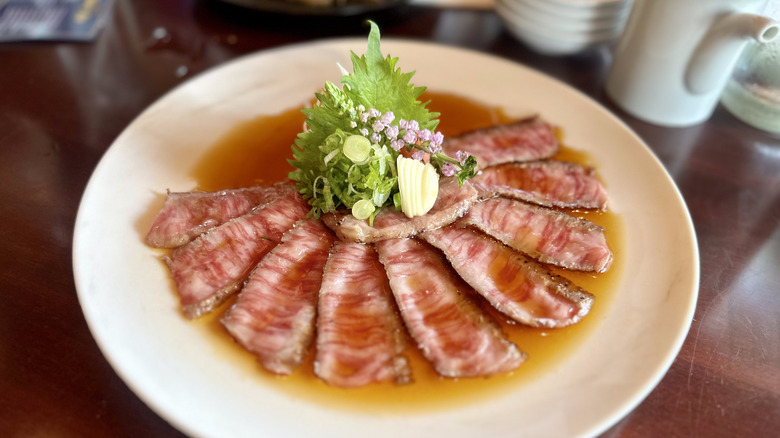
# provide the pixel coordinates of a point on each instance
(330, 176)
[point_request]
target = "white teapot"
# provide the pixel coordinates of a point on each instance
(675, 56)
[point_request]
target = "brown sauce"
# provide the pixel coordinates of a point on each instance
(255, 152)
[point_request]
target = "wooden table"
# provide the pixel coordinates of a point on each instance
(62, 104)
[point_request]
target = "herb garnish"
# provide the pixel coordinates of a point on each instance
(356, 133)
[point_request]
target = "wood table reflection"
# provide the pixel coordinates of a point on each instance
(63, 104)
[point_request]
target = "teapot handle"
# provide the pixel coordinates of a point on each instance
(710, 66)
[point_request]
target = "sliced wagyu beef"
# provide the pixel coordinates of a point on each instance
(548, 235)
(360, 338)
(452, 332)
(549, 183)
(185, 216)
(213, 266)
(274, 314)
(525, 140)
(452, 203)
(514, 284)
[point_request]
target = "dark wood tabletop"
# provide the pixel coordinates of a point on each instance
(63, 104)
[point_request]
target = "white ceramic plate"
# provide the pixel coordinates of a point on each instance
(126, 297)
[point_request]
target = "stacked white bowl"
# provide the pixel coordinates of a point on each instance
(564, 27)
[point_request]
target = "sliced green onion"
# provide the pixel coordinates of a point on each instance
(330, 156)
(363, 209)
(356, 148)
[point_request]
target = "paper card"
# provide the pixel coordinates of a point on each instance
(52, 20)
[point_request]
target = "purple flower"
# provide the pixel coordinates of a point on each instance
(435, 148)
(364, 131)
(397, 144)
(377, 126)
(403, 124)
(387, 117)
(413, 125)
(438, 138)
(425, 135)
(462, 156)
(373, 113)
(448, 169)
(418, 154)
(375, 138)
(391, 132)
(364, 117)
(410, 136)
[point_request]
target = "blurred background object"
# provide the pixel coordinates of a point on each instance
(564, 27)
(674, 58)
(753, 91)
(52, 20)
(342, 8)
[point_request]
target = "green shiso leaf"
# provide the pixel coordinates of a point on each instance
(328, 178)
(377, 83)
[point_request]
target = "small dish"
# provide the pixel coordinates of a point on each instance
(521, 18)
(575, 19)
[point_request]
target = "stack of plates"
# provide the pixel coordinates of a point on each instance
(563, 27)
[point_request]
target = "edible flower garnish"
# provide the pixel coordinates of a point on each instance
(348, 155)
